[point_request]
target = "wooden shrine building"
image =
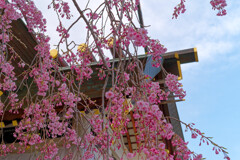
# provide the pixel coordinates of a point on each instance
(93, 88)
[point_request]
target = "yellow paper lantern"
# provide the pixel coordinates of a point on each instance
(1, 93)
(14, 123)
(82, 47)
(113, 142)
(127, 103)
(96, 111)
(167, 151)
(82, 113)
(110, 42)
(54, 53)
(2, 125)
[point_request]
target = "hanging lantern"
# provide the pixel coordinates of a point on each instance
(54, 53)
(82, 47)
(118, 50)
(110, 42)
(128, 105)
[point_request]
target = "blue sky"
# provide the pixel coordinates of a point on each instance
(212, 84)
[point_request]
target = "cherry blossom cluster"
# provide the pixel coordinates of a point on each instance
(216, 5)
(33, 16)
(127, 5)
(220, 6)
(101, 71)
(155, 94)
(204, 139)
(7, 74)
(9, 15)
(25, 132)
(140, 39)
(118, 119)
(182, 151)
(63, 33)
(93, 16)
(179, 9)
(62, 8)
(82, 70)
(147, 115)
(174, 86)
(5, 149)
(49, 151)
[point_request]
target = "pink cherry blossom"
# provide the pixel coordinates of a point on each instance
(109, 94)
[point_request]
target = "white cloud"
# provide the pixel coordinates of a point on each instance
(214, 36)
(211, 49)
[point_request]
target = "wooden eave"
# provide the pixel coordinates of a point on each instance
(185, 56)
(172, 60)
(23, 43)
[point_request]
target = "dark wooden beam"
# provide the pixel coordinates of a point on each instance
(134, 128)
(185, 56)
(172, 101)
(129, 141)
